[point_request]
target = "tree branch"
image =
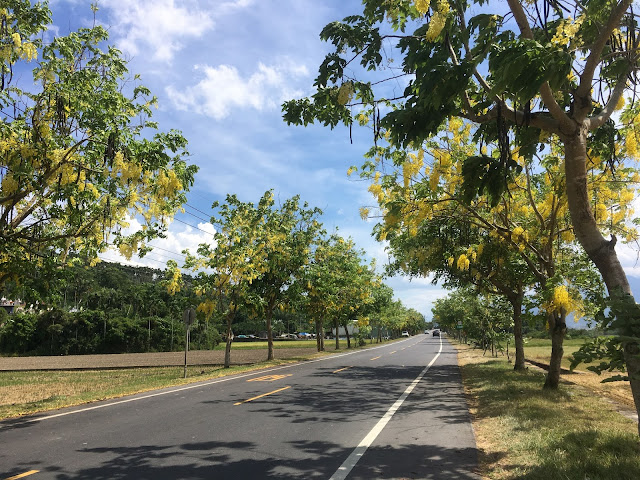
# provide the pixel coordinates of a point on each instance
(545, 91)
(584, 89)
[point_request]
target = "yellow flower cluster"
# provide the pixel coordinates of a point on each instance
(438, 20)
(561, 301)
(422, 6)
(631, 144)
(345, 93)
(207, 307)
(463, 262)
(9, 185)
(567, 30)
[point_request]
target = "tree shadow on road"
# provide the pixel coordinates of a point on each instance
(244, 460)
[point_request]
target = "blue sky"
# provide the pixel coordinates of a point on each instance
(221, 69)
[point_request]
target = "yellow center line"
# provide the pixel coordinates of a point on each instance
(341, 369)
(25, 474)
(269, 378)
(393, 352)
(263, 395)
(375, 358)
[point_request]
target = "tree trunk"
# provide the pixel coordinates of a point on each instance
(632, 361)
(319, 335)
(346, 330)
(558, 329)
(335, 322)
(516, 303)
(227, 349)
(600, 251)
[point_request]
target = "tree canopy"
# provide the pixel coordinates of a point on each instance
(78, 152)
(529, 76)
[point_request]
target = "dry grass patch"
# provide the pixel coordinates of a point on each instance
(525, 432)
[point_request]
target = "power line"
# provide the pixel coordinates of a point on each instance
(196, 209)
(168, 251)
(196, 216)
(192, 226)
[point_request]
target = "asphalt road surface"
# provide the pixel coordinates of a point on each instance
(395, 411)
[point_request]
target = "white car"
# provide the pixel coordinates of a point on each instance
(405, 334)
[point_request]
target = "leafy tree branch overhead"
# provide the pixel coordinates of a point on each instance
(527, 75)
(78, 152)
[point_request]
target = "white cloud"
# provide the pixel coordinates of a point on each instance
(223, 89)
(159, 25)
(169, 248)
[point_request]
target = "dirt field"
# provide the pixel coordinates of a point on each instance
(196, 357)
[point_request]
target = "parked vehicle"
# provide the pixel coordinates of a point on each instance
(405, 334)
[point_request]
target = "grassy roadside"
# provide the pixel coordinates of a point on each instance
(525, 432)
(28, 392)
(24, 393)
(540, 350)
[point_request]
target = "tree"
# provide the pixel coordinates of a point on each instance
(504, 249)
(337, 286)
(287, 234)
(77, 156)
(484, 319)
(227, 269)
(382, 299)
(258, 253)
(556, 69)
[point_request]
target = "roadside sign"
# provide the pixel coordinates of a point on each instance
(459, 325)
(189, 316)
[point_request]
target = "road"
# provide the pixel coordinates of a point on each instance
(394, 411)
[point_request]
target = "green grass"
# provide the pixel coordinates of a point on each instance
(23, 393)
(526, 432)
(539, 349)
(27, 392)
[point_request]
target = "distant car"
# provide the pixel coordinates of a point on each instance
(405, 334)
(426, 332)
(436, 333)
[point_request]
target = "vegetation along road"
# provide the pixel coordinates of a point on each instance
(397, 410)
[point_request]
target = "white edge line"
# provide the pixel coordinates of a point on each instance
(358, 452)
(195, 385)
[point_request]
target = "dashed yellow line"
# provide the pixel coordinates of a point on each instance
(22, 475)
(393, 352)
(341, 369)
(375, 358)
(269, 378)
(263, 395)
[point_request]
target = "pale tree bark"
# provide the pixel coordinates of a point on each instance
(600, 250)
